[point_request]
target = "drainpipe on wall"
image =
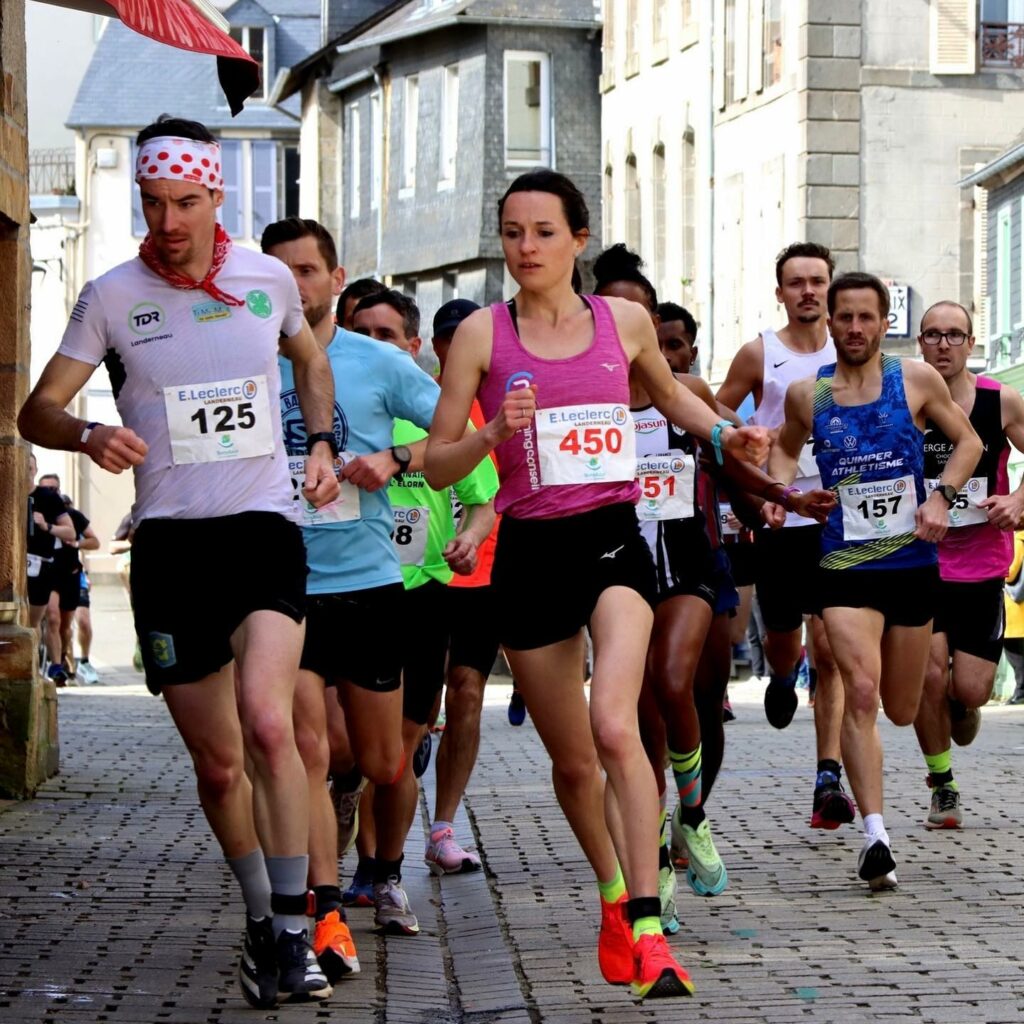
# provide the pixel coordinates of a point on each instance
(710, 224)
(385, 116)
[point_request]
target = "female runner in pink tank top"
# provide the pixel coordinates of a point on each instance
(551, 372)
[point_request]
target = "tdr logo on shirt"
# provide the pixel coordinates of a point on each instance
(294, 426)
(146, 318)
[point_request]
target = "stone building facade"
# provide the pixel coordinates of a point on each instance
(848, 124)
(422, 117)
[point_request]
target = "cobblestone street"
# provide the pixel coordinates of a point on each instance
(115, 904)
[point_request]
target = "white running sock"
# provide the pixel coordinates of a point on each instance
(874, 829)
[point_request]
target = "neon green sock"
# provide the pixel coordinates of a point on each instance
(613, 891)
(646, 926)
(662, 833)
(940, 767)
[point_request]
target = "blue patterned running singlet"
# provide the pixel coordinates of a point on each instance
(872, 456)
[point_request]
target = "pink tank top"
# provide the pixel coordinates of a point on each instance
(578, 453)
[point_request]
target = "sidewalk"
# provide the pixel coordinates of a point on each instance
(115, 904)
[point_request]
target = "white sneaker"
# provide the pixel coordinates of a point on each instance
(876, 866)
(87, 674)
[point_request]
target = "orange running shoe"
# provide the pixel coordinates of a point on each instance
(335, 951)
(656, 975)
(615, 943)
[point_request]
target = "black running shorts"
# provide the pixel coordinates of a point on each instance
(41, 585)
(743, 561)
(424, 624)
(787, 576)
(473, 628)
(972, 615)
(68, 586)
(549, 573)
(906, 597)
(194, 581)
(356, 637)
(684, 562)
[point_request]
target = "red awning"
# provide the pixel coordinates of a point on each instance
(178, 23)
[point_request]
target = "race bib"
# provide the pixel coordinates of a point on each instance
(344, 509)
(725, 518)
(882, 508)
(807, 465)
(666, 486)
(35, 566)
(219, 421)
(964, 511)
(410, 536)
(585, 444)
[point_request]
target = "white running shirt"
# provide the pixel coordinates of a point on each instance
(782, 366)
(197, 380)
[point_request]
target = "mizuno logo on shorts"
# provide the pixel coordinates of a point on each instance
(612, 554)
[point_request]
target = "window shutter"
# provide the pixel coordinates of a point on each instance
(719, 55)
(742, 48)
(139, 228)
(264, 186)
(231, 166)
(981, 264)
(756, 44)
(953, 42)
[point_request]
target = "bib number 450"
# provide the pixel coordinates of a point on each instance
(595, 441)
(225, 417)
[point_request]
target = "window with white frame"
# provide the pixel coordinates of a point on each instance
(1004, 240)
(376, 150)
(771, 44)
(410, 128)
(608, 41)
(607, 205)
(632, 37)
(252, 39)
(659, 20)
(260, 186)
(689, 207)
(729, 35)
(658, 213)
(449, 124)
(527, 109)
(633, 228)
(354, 163)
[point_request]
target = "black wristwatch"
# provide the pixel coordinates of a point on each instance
(325, 435)
(403, 457)
(948, 491)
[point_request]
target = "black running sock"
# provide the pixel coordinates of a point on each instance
(691, 816)
(827, 766)
(365, 867)
(385, 869)
(347, 782)
(328, 898)
(664, 858)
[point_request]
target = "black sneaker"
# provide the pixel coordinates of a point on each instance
(300, 977)
(780, 701)
(257, 970)
(421, 756)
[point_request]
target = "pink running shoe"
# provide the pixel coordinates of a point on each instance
(444, 856)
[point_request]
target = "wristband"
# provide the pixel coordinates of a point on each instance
(89, 427)
(771, 483)
(785, 497)
(716, 438)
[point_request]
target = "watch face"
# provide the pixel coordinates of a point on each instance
(402, 454)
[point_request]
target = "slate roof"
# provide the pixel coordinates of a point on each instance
(131, 79)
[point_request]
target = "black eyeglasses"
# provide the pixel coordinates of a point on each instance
(933, 337)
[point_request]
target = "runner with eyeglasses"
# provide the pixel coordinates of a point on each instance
(973, 557)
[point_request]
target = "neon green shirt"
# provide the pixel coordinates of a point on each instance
(424, 523)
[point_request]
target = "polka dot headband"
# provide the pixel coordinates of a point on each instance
(168, 156)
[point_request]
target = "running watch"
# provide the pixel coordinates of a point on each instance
(948, 491)
(325, 435)
(401, 454)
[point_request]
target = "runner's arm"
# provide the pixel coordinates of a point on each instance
(89, 541)
(744, 375)
(669, 396)
(1005, 510)
(452, 452)
(477, 523)
(938, 406)
(314, 384)
(44, 419)
(782, 463)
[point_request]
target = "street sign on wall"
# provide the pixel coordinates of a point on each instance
(899, 310)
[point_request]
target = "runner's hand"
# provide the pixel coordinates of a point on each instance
(516, 413)
(460, 554)
(773, 514)
(748, 444)
(815, 504)
(932, 519)
(115, 449)
(370, 472)
(321, 485)
(1004, 510)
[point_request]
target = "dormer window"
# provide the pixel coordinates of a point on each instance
(252, 39)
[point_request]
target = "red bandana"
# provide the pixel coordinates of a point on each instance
(221, 248)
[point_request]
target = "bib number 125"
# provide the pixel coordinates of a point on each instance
(224, 417)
